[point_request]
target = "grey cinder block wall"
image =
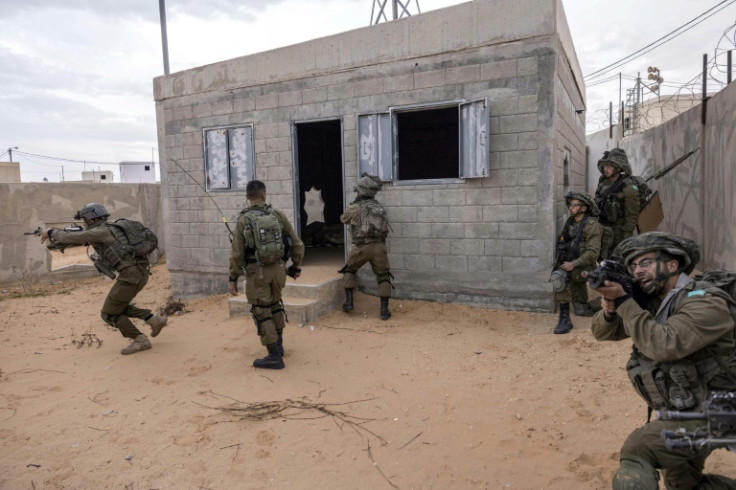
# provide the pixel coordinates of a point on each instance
(483, 234)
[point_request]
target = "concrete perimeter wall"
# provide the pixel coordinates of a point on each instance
(698, 195)
(28, 206)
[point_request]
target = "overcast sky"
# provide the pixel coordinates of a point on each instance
(76, 75)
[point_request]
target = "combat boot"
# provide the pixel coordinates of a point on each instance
(280, 342)
(272, 361)
(582, 309)
(157, 323)
(348, 304)
(385, 314)
(564, 325)
(139, 343)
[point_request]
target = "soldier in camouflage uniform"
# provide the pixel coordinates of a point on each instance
(368, 228)
(132, 275)
(683, 347)
(264, 282)
(617, 197)
(578, 247)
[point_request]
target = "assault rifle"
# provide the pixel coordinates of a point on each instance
(718, 431)
(52, 243)
(612, 270)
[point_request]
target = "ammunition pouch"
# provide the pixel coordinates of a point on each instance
(667, 386)
(102, 267)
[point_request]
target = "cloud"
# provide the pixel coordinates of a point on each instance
(245, 10)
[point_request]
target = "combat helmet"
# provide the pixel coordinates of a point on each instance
(368, 185)
(685, 250)
(616, 158)
(585, 198)
(92, 211)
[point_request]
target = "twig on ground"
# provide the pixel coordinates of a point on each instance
(352, 329)
(411, 440)
(26, 371)
(290, 409)
(370, 455)
(95, 428)
(232, 445)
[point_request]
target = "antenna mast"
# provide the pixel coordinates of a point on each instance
(399, 9)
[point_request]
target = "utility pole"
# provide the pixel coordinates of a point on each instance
(164, 38)
(405, 6)
(10, 153)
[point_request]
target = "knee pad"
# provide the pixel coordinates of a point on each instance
(109, 319)
(635, 474)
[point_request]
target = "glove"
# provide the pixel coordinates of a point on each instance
(294, 271)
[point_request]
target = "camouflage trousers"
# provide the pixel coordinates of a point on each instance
(576, 290)
(117, 310)
(263, 286)
(376, 254)
(682, 468)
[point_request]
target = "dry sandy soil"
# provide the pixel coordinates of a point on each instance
(441, 396)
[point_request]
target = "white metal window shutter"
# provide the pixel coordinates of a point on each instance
(374, 145)
(242, 169)
(217, 160)
(474, 139)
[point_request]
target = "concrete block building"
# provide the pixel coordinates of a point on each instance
(472, 114)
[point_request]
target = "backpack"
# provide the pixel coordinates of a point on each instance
(264, 234)
(373, 221)
(134, 237)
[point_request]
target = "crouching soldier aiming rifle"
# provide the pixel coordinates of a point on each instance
(683, 351)
(122, 250)
(578, 247)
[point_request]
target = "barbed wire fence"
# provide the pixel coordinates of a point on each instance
(657, 107)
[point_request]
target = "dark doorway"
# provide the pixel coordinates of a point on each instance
(319, 171)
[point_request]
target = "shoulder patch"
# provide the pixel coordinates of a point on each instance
(697, 292)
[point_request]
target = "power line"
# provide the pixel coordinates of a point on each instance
(664, 39)
(69, 159)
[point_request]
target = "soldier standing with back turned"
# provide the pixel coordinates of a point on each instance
(260, 250)
(368, 228)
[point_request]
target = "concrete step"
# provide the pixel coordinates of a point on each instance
(302, 302)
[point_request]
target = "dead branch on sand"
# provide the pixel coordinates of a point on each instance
(296, 410)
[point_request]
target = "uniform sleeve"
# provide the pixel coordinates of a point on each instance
(701, 320)
(350, 214)
(99, 234)
(604, 330)
(237, 250)
(592, 234)
(297, 246)
(631, 210)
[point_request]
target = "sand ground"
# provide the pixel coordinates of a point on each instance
(441, 396)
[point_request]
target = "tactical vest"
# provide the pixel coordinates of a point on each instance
(264, 235)
(373, 222)
(681, 385)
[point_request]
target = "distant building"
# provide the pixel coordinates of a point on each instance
(102, 176)
(655, 111)
(9, 173)
(137, 173)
